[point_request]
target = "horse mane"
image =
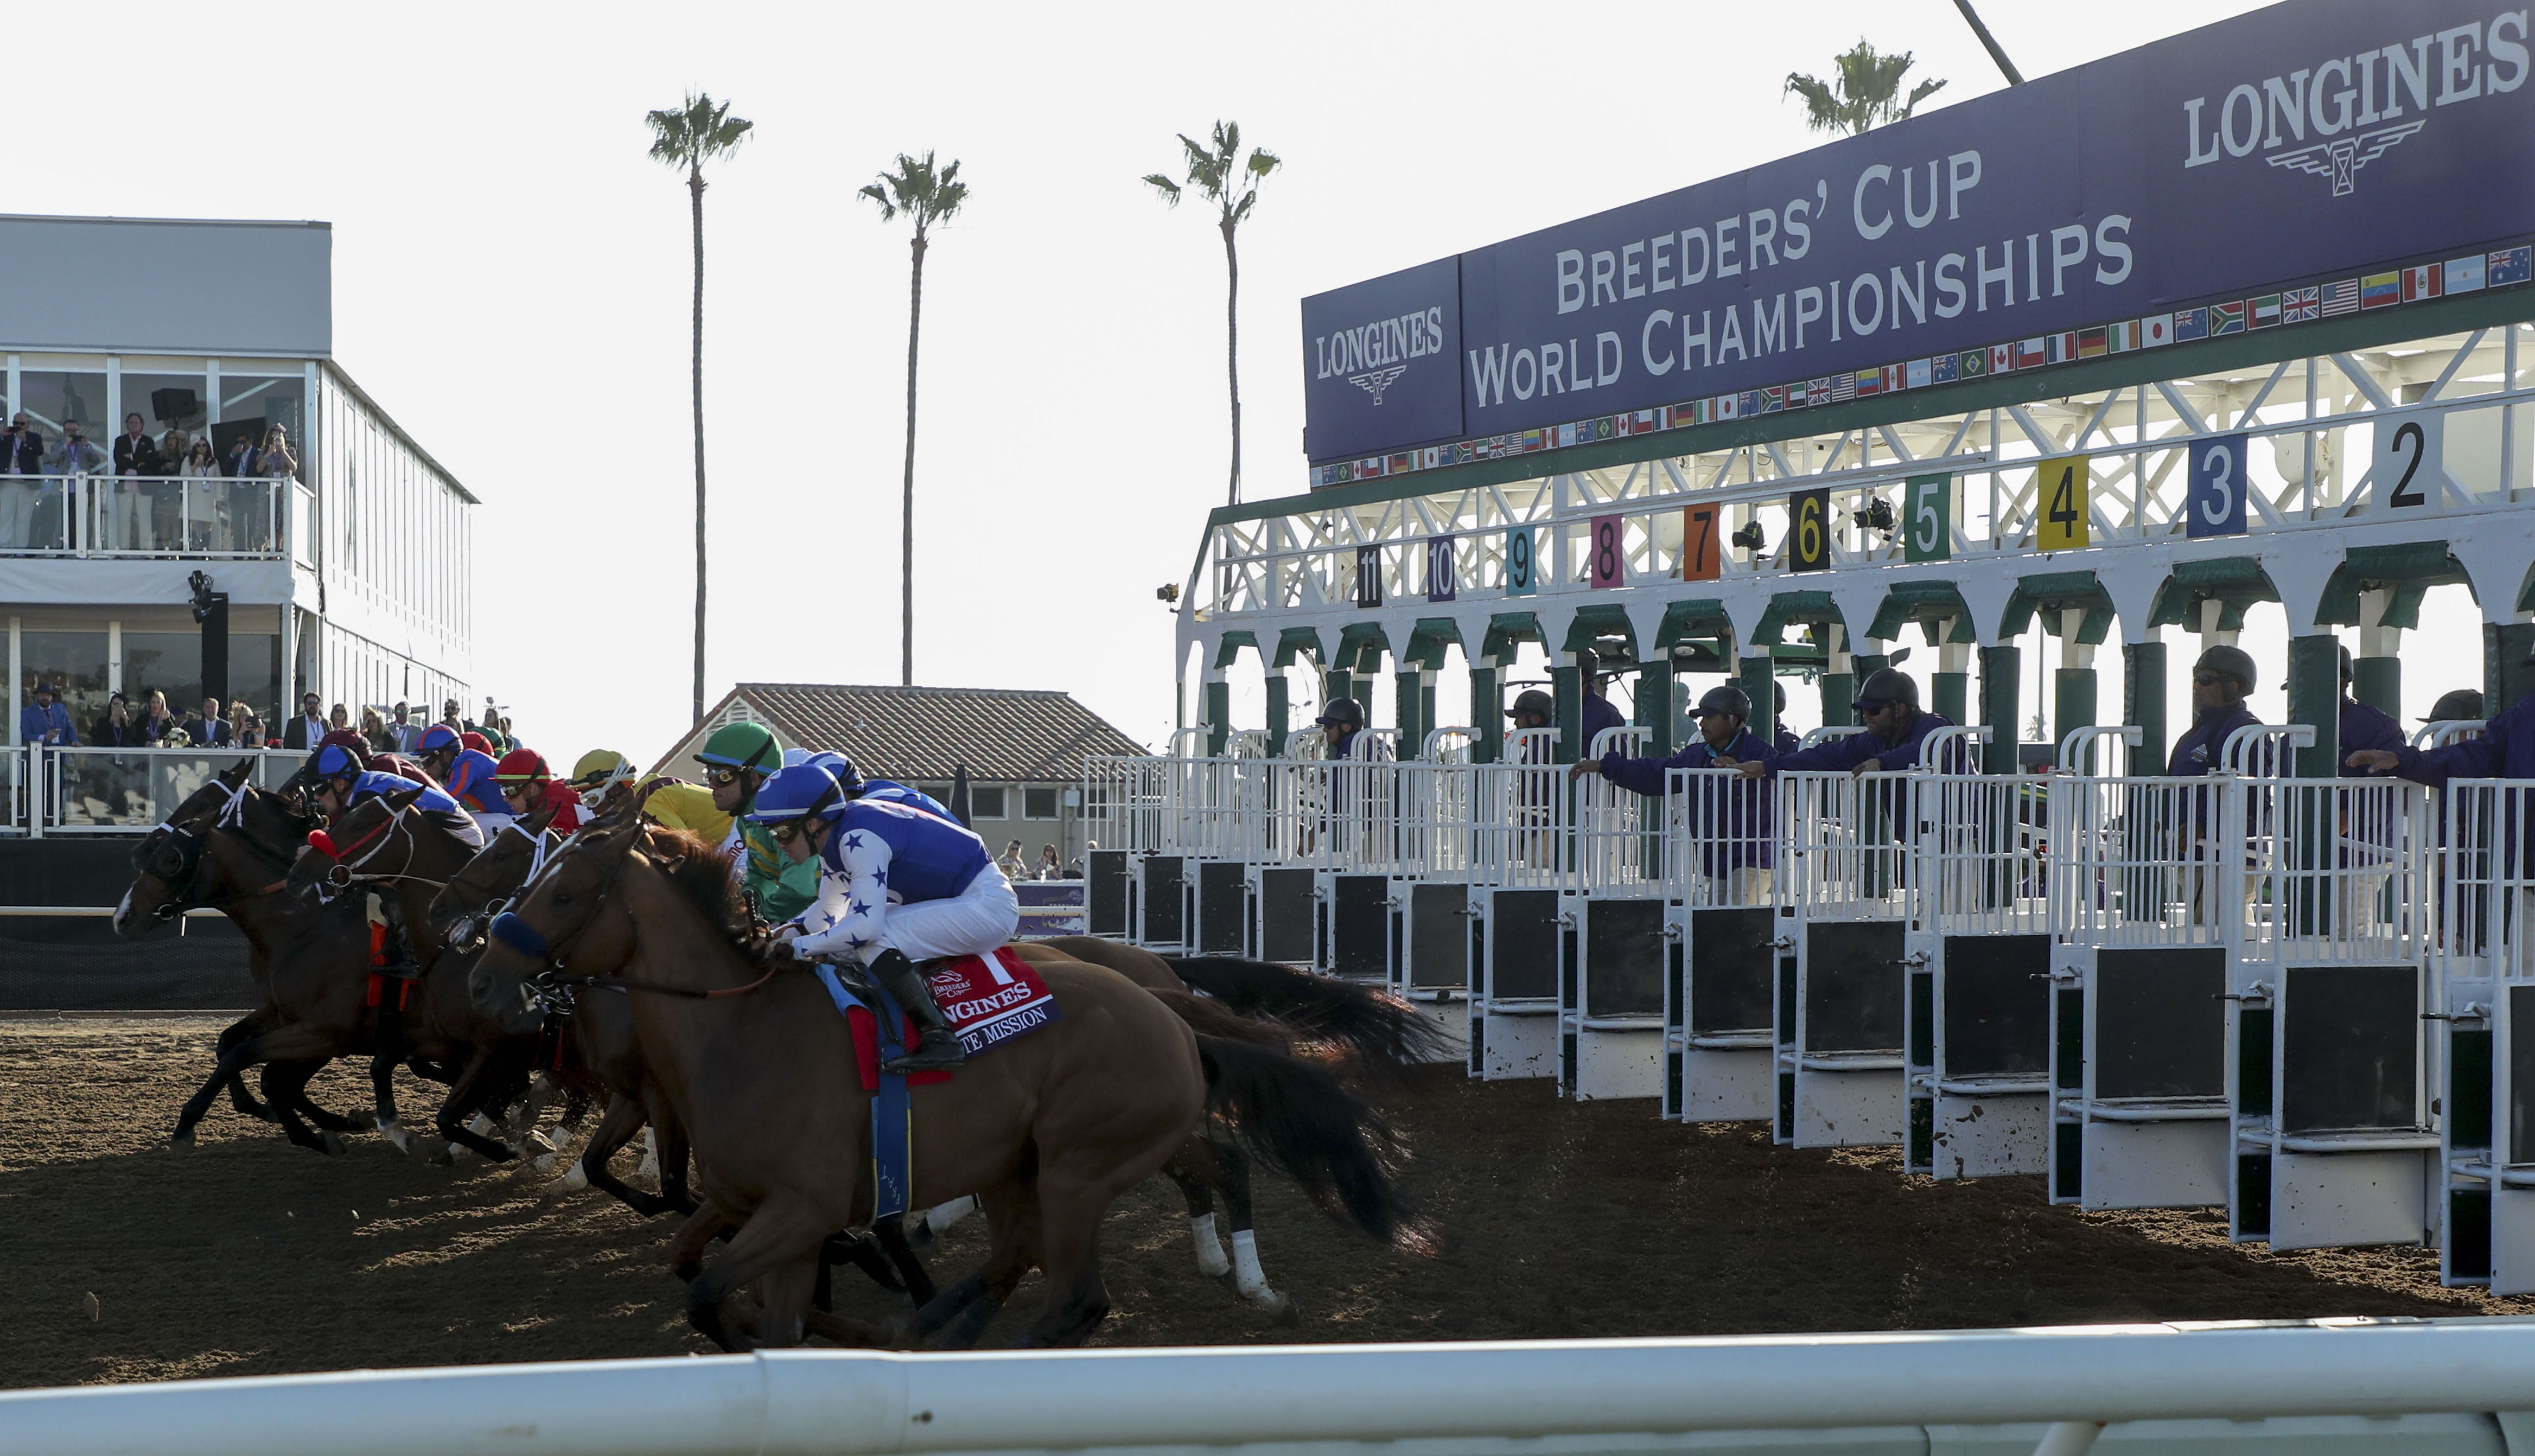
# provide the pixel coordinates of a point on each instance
(700, 874)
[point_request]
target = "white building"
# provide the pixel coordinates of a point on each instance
(345, 565)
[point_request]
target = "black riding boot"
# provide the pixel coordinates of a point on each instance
(935, 1049)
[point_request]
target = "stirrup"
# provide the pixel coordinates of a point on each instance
(932, 1051)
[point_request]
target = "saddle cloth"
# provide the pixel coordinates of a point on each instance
(988, 1003)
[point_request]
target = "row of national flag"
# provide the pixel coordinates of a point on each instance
(2304, 304)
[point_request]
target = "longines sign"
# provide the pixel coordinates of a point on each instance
(2177, 191)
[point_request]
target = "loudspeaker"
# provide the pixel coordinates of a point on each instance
(172, 406)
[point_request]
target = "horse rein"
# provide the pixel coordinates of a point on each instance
(520, 935)
(347, 871)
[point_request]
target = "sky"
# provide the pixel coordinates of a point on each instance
(512, 277)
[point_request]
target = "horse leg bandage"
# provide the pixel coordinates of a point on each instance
(1211, 1262)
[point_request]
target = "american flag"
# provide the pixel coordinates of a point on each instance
(1844, 386)
(2340, 298)
(2299, 305)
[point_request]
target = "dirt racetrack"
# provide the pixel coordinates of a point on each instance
(248, 1257)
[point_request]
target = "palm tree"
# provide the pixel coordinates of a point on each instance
(917, 191)
(1217, 173)
(695, 134)
(1862, 95)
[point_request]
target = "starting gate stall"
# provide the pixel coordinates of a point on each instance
(1720, 854)
(2332, 1136)
(1521, 938)
(1284, 875)
(1840, 1014)
(2486, 1024)
(1220, 804)
(1358, 833)
(2150, 921)
(1978, 1012)
(1124, 804)
(1611, 1000)
(1433, 962)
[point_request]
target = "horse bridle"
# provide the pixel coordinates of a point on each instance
(467, 931)
(189, 848)
(552, 983)
(346, 871)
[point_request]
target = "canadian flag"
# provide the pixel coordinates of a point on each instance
(2001, 358)
(2155, 330)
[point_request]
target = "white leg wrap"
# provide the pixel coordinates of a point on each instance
(1247, 1276)
(650, 1156)
(574, 1179)
(481, 1124)
(941, 1215)
(397, 1137)
(1211, 1262)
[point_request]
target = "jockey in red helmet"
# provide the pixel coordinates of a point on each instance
(527, 783)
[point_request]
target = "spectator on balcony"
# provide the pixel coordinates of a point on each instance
(449, 717)
(374, 732)
(117, 729)
(408, 732)
(159, 723)
(1049, 866)
(210, 730)
(199, 469)
(339, 719)
(275, 461)
(246, 730)
(45, 721)
(22, 457)
(76, 455)
(307, 730)
(1012, 863)
(133, 507)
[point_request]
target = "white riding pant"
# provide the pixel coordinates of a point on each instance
(978, 921)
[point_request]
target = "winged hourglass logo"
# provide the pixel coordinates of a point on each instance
(1374, 381)
(2343, 157)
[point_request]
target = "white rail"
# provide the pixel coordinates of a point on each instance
(1557, 1397)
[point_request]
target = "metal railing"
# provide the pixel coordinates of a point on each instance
(1720, 841)
(86, 791)
(109, 516)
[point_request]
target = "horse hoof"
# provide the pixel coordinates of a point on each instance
(537, 1142)
(1284, 1313)
(444, 1157)
(329, 1144)
(542, 1163)
(181, 1142)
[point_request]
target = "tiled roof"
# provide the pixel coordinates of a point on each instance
(924, 733)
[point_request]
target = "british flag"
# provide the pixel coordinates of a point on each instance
(2300, 305)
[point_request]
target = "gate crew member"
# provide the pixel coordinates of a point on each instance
(2220, 683)
(738, 760)
(1731, 821)
(1784, 741)
(1599, 713)
(2362, 726)
(1895, 728)
(2506, 750)
(527, 785)
(606, 781)
(2455, 706)
(901, 885)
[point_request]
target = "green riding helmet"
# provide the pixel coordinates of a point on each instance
(743, 746)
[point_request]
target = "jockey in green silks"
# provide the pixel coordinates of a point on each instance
(738, 759)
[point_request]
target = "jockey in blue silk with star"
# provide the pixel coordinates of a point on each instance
(900, 886)
(468, 775)
(343, 780)
(880, 790)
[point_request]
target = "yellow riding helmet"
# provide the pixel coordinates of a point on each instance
(598, 772)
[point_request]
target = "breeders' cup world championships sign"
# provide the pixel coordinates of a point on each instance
(2312, 159)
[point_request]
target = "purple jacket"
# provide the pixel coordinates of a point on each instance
(1729, 821)
(1847, 753)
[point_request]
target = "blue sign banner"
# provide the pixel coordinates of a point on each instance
(1377, 362)
(2221, 181)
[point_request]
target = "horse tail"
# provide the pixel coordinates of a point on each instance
(1369, 1024)
(1209, 1018)
(1305, 1124)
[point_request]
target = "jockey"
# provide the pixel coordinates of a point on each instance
(465, 773)
(527, 785)
(850, 780)
(342, 780)
(605, 780)
(738, 758)
(901, 885)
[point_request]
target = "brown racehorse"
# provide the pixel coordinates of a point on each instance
(228, 847)
(1048, 1131)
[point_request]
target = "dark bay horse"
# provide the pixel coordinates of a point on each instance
(1047, 1131)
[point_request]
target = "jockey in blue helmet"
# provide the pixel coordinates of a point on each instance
(855, 786)
(343, 780)
(468, 776)
(901, 886)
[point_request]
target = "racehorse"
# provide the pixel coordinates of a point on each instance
(228, 847)
(1047, 1131)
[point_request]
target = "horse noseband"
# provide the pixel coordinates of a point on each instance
(522, 937)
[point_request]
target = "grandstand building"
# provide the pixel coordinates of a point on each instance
(340, 567)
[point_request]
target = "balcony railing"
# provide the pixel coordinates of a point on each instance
(103, 516)
(82, 791)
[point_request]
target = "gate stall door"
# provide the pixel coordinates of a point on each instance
(1360, 927)
(1165, 900)
(1518, 1028)
(1285, 916)
(1222, 907)
(1105, 897)
(2154, 1081)
(2512, 1134)
(1993, 1044)
(1848, 1088)
(1728, 981)
(2353, 1162)
(1618, 1047)
(1439, 939)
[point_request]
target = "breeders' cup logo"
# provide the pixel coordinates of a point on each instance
(2352, 105)
(1372, 356)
